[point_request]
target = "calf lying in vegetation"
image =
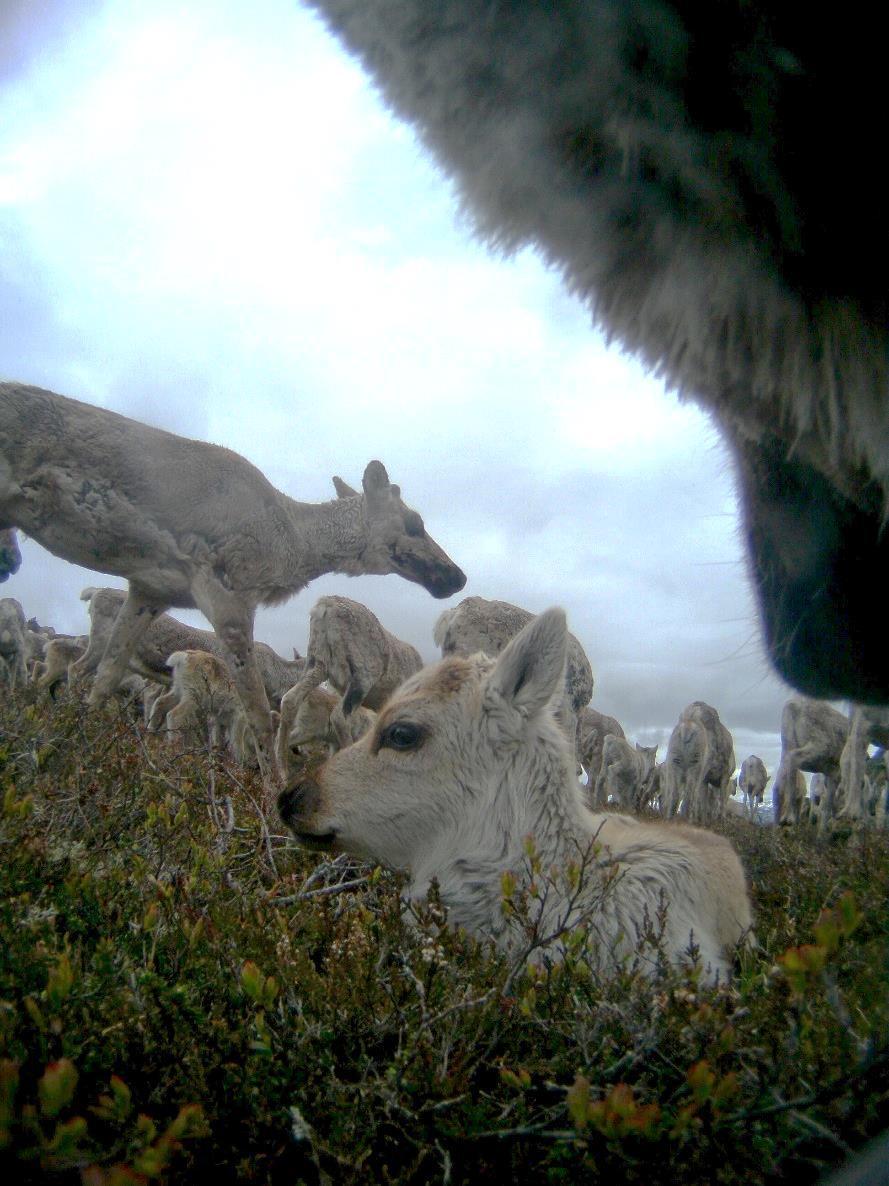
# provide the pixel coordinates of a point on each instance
(465, 763)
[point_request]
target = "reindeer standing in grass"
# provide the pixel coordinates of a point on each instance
(191, 524)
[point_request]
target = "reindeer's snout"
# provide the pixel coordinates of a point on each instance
(299, 800)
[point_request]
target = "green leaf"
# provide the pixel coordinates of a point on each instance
(56, 1087)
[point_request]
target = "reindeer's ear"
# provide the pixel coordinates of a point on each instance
(297, 657)
(531, 669)
(343, 489)
(376, 485)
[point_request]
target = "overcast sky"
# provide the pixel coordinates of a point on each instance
(209, 223)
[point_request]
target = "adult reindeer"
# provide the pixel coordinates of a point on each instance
(704, 177)
(191, 524)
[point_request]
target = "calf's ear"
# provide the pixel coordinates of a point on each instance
(531, 669)
(343, 489)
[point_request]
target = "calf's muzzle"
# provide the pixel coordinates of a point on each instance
(299, 800)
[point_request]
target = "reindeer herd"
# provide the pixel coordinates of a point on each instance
(183, 678)
(443, 771)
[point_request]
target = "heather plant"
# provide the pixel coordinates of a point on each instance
(186, 994)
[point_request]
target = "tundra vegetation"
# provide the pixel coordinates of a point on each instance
(186, 995)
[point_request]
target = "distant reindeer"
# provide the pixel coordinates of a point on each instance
(669, 162)
(813, 735)
(876, 783)
(624, 773)
(752, 782)
(36, 638)
(191, 524)
(812, 807)
(464, 763)
(150, 656)
(60, 655)
(13, 644)
(869, 725)
(312, 736)
(699, 764)
(203, 706)
(592, 729)
(477, 624)
(349, 647)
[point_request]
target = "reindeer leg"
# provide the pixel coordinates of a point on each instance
(231, 616)
(852, 771)
(136, 615)
(163, 704)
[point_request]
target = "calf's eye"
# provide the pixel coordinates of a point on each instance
(402, 736)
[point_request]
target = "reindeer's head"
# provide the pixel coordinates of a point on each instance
(445, 770)
(396, 538)
(648, 754)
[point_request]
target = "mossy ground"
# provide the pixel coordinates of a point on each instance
(185, 995)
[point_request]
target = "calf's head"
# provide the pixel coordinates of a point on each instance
(396, 538)
(451, 757)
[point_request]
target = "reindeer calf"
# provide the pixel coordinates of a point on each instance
(464, 763)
